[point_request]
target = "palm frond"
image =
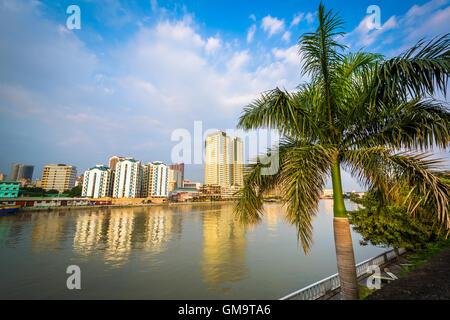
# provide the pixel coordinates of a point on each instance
(418, 71)
(381, 168)
(277, 109)
(320, 52)
(415, 124)
(301, 178)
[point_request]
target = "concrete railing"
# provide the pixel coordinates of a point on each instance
(327, 285)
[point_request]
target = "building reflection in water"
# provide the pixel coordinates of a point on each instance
(91, 231)
(162, 226)
(47, 231)
(272, 216)
(6, 228)
(119, 231)
(224, 245)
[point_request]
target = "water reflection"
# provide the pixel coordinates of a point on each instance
(47, 231)
(272, 215)
(117, 232)
(90, 232)
(224, 247)
(177, 252)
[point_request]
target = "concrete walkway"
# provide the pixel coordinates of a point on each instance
(429, 281)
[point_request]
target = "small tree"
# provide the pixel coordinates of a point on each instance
(75, 192)
(52, 192)
(390, 226)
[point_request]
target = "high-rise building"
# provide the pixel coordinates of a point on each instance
(223, 160)
(2, 177)
(59, 177)
(97, 182)
(21, 171)
(113, 161)
(159, 180)
(179, 167)
(237, 162)
(217, 170)
(128, 179)
(146, 183)
(175, 179)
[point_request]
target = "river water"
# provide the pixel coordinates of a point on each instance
(179, 252)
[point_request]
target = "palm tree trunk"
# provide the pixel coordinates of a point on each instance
(343, 239)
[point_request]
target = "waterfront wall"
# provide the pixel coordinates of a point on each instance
(328, 287)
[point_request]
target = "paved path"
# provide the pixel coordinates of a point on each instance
(429, 281)
(395, 267)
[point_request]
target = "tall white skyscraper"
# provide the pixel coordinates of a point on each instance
(237, 162)
(159, 179)
(97, 182)
(223, 160)
(216, 170)
(128, 179)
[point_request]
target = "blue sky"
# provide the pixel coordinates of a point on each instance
(138, 70)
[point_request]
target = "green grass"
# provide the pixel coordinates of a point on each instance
(364, 292)
(421, 256)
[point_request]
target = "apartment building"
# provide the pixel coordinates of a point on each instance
(224, 160)
(97, 182)
(127, 179)
(59, 177)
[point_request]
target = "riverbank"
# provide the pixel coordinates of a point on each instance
(98, 207)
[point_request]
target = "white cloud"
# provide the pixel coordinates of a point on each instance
(427, 8)
(154, 4)
(287, 36)
(309, 17)
(163, 77)
(251, 33)
(364, 35)
(272, 25)
(212, 45)
(425, 21)
(252, 16)
(297, 18)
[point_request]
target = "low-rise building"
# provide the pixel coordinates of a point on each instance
(9, 189)
(327, 194)
(183, 194)
(24, 182)
(211, 192)
(229, 192)
(44, 202)
(191, 184)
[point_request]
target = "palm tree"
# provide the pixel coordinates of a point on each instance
(372, 116)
